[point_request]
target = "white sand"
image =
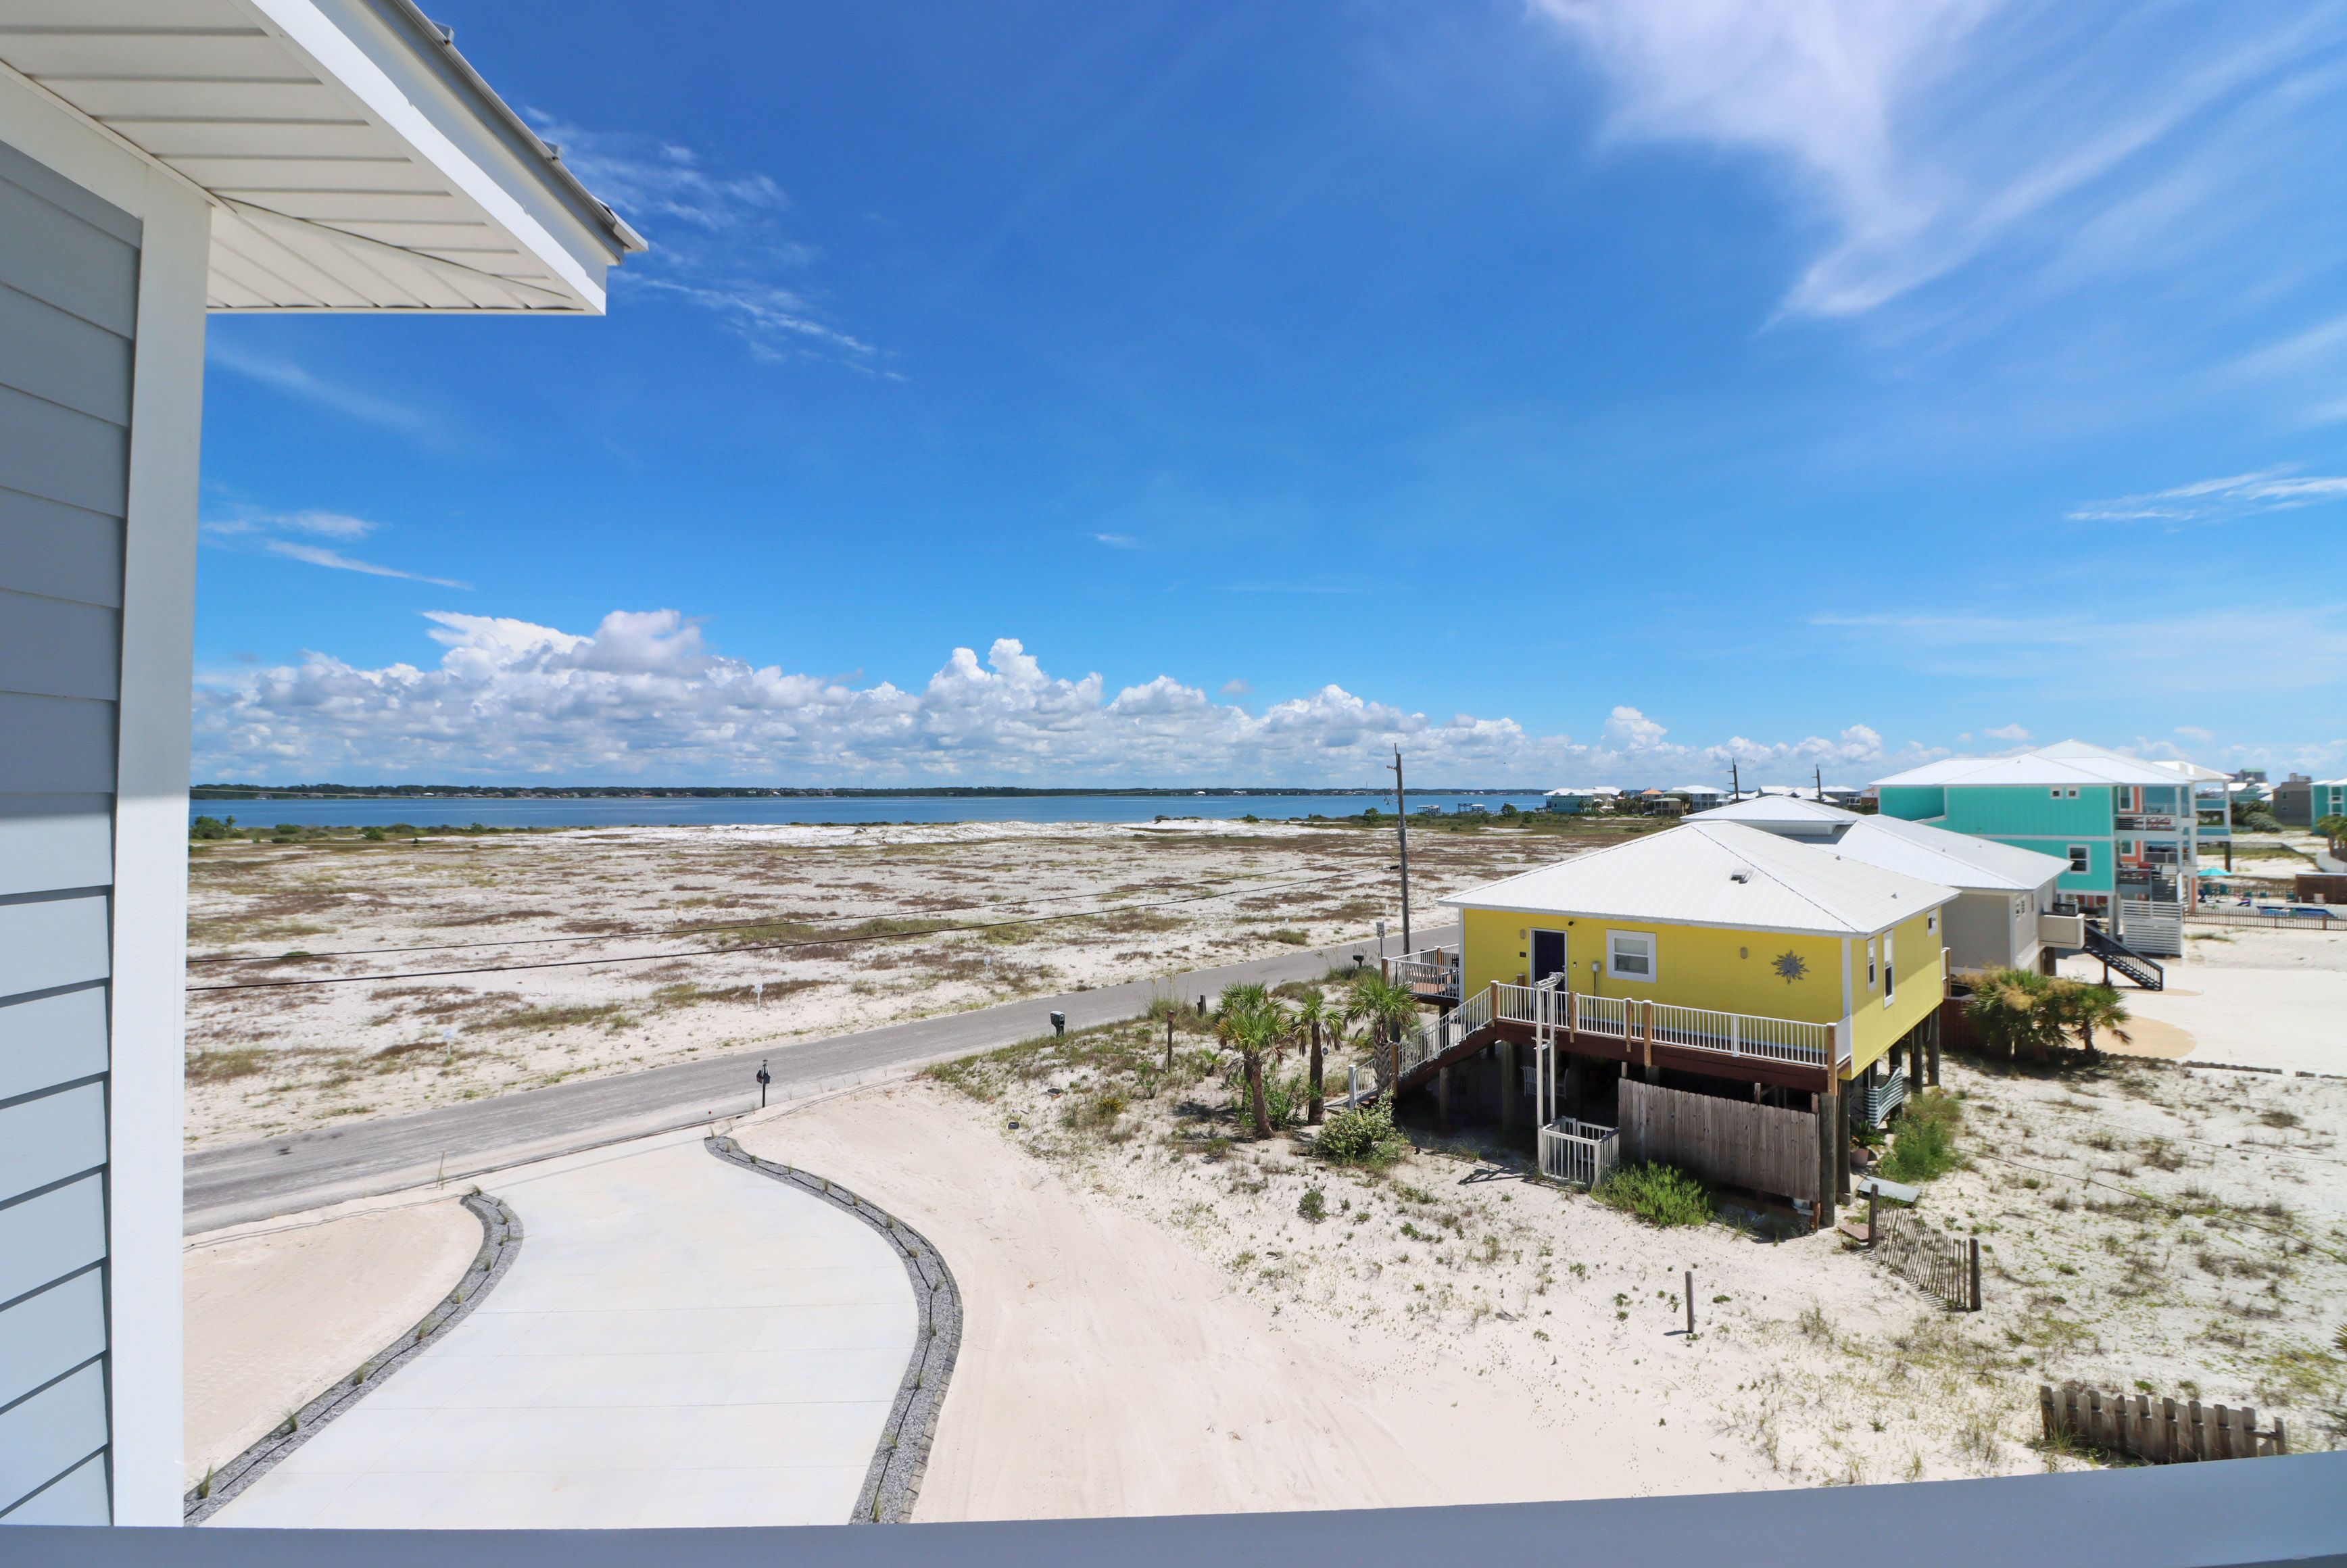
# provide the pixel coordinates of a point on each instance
(2247, 996)
(277, 1311)
(262, 1060)
(1109, 1369)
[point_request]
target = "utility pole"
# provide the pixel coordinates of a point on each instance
(1401, 834)
(1735, 781)
(1821, 783)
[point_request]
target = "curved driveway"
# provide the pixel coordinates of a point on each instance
(680, 1342)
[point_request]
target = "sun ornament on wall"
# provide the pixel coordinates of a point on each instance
(1791, 967)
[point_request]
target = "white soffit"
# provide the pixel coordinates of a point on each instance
(353, 160)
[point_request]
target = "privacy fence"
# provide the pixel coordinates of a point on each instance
(1731, 1142)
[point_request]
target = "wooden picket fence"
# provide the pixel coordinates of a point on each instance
(1948, 1266)
(2168, 1432)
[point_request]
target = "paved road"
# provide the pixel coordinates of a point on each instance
(242, 1181)
(679, 1341)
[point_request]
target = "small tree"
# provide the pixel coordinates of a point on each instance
(2333, 828)
(2023, 1013)
(1382, 1008)
(1251, 1024)
(1311, 1015)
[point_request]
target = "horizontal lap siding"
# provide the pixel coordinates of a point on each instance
(68, 308)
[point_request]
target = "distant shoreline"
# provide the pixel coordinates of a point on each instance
(936, 792)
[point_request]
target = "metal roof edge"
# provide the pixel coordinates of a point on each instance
(436, 47)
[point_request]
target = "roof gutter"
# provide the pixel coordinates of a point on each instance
(438, 46)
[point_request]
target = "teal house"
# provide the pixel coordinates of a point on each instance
(2131, 832)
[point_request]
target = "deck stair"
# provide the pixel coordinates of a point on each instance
(2115, 954)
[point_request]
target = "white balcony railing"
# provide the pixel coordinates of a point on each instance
(1430, 971)
(1731, 1034)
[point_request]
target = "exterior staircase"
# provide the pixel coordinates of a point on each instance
(2115, 954)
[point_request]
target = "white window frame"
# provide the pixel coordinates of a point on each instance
(2082, 859)
(1614, 942)
(2054, 794)
(1870, 963)
(1889, 975)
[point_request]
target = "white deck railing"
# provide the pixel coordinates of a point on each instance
(1435, 969)
(1577, 1151)
(1693, 1029)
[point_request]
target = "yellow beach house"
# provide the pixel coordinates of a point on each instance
(1711, 960)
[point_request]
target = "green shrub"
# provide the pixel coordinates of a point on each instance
(1365, 1135)
(372, 835)
(1313, 1205)
(1283, 1100)
(208, 828)
(1925, 1145)
(1658, 1194)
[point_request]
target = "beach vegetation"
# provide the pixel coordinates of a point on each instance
(1657, 1194)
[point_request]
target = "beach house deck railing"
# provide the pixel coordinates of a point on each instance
(1577, 1151)
(1430, 971)
(1695, 1029)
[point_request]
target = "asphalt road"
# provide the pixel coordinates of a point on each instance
(240, 1182)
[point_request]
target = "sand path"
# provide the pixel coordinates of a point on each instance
(278, 1311)
(1108, 1368)
(2273, 999)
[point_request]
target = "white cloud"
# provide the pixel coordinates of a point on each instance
(2220, 500)
(319, 555)
(265, 531)
(222, 351)
(2014, 734)
(1925, 132)
(644, 696)
(1238, 688)
(717, 239)
(1118, 541)
(2195, 733)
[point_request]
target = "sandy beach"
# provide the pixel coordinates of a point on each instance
(674, 942)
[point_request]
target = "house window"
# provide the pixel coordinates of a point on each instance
(1629, 955)
(2073, 792)
(1890, 970)
(1869, 966)
(2055, 794)
(2078, 859)
(1932, 921)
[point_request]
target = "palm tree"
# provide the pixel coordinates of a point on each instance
(1312, 1012)
(1250, 1024)
(2087, 1007)
(1382, 1008)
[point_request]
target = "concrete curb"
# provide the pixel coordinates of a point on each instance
(500, 1244)
(893, 1484)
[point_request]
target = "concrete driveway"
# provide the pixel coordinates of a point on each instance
(680, 1342)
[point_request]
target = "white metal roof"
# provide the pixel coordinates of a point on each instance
(1689, 876)
(353, 159)
(1782, 811)
(2033, 768)
(1954, 859)
(2086, 750)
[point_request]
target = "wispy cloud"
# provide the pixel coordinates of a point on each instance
(2218, 500)
(1924, 133)
(266, 532)
(1118, 541)
(717, 241)
(222, 351)
(319, 555)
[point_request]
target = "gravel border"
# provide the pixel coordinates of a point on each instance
(500, 1244)
(893, 1484)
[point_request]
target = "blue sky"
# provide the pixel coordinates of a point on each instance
(1574, 391)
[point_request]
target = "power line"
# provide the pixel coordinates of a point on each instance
(677, 931)
(749, 947)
